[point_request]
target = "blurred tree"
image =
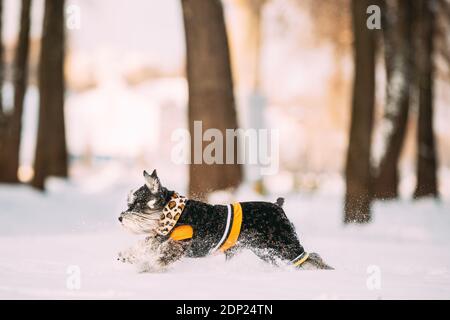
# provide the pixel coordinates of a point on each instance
(211, 98)
(397, 20)
(2, 65)
(247, 59)
(442, 44)
(10, 144)
(357, 171)
(426, 152)
(51, 150)
(331, 22)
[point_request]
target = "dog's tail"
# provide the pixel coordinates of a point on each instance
(280, 202)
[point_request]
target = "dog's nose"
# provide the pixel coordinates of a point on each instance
(120, 218)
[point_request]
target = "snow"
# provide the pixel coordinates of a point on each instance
(46, 239)
(73, 226)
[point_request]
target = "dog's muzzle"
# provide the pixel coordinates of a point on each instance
(139, 223)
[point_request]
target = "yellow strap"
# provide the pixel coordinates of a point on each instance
(300, 262)
(182, 233)
(235, 228)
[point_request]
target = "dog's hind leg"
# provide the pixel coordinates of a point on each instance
(285, 247)
(315, 262)
(230, 253)
(278, 255)
(266, 255)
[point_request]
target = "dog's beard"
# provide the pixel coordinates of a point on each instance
(141, 223)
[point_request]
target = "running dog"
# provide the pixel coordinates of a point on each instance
(177, 227)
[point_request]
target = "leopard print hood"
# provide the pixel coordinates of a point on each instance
(170, 214)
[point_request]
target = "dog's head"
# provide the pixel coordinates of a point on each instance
(145, 205)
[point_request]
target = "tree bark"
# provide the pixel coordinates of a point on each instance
(51, 150)
(398, 43)
(357, 171)
(2, 64)
(426, 155)
(10, 146)
(211, 98)
(2, 68)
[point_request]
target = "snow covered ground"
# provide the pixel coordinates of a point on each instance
(48, 239)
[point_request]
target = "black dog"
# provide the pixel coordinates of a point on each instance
(178, 227)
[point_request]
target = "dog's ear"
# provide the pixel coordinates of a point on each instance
(152, 181)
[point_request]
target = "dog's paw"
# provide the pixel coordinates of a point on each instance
(150, 267)
(315, 262)
(125, 257)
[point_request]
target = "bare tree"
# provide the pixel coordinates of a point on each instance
(442, 42)
(2, 64)
(398, 44)
(211, 98)
(10, 144)
(357, 171)
(2, 67)
(426, 155)
(51, 151)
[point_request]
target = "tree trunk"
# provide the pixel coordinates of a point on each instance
(51, 150)
(211, 98)
(10, 147)
(2, 67)
(398, 42)
(357, 198)
(426, 155)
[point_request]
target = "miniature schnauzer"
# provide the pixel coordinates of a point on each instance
(177, 227)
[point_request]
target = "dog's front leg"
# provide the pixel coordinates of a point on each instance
(171, 251)
(154, 254)
(141, 251)
(130, 255)
(167, 252)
